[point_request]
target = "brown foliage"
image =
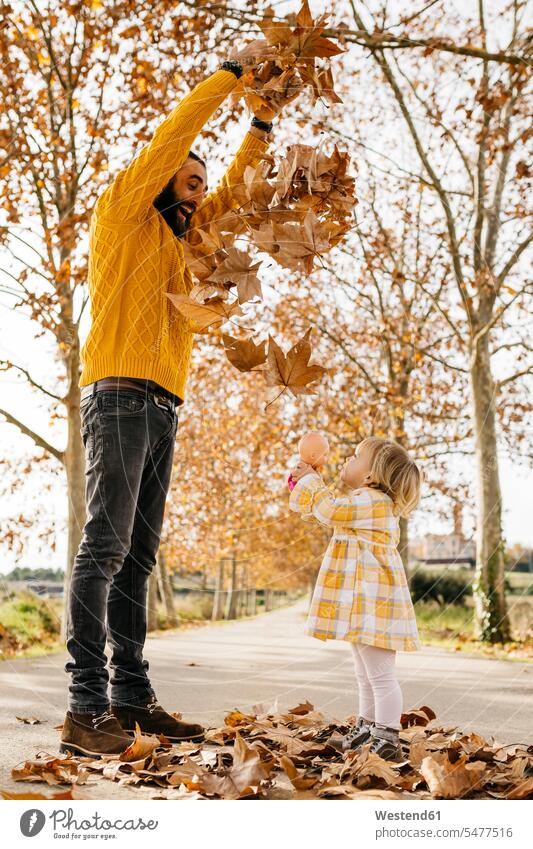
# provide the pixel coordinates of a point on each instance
(296, 755)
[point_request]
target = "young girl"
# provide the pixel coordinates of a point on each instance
(361, 593)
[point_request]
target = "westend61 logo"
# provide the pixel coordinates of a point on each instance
(65, 825)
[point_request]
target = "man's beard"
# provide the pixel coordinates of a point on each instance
(168, 206)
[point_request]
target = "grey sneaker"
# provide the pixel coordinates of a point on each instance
(386, 743)
(358, 735)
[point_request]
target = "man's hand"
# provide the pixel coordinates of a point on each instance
(278, 100)
(300, 470)
(253, 54)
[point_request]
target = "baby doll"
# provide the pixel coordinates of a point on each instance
(313, 449)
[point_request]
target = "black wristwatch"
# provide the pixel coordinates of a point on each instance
(232, 65)
(262, 125)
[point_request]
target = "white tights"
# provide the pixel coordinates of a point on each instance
(380, 695)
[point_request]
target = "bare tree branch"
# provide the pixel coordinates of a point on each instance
(500, 383)
(5, 365)
(39, 440)
(385, 41)
(513, 259)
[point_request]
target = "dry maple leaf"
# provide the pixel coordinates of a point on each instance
(301, 243)
(294, 246)
(49, 768)
(243, 778)
(297, 777)
(204, 317)
(301, 709)
(368, 763)
(199, 264)
(417, 717)
(204, 247)
(301, 36)
(299, 157)
(235, 717)
(451, 780)
(244, 354)
(264, 238)
(324, 86)
(141, 746)
(237, 268)
(258, 192)
(297, 42)
(203, 292)
(292, 370)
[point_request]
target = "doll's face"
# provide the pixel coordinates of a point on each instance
(356, 469)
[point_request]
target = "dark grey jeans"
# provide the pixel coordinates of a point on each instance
(129, 445)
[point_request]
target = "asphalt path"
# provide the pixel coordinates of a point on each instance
(267, 661)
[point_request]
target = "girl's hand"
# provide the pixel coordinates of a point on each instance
(300, 470)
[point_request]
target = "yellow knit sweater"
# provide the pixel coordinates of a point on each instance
(135, 258)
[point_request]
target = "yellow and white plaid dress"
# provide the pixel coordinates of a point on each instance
(361, 593)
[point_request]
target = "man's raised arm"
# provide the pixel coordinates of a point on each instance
(223, 198)
(130, 196)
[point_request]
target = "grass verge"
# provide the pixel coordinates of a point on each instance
(29, 625)
(452, 627)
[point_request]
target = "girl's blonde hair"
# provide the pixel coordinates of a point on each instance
(393, 471)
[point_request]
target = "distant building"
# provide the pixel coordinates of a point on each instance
(444, 548)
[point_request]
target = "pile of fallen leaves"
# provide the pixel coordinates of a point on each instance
(294, 208)
(297, 755)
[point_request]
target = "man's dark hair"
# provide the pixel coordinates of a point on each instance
(192, 155)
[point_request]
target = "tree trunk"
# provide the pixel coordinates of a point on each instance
(252, 603)
(152, 602)
(400, 424)
(75, 472)
(218, 600)
(492, 622)
(403, 545)
(231, 604)
(243, 593)
(166, 591)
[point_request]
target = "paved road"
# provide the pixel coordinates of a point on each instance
(267, 660)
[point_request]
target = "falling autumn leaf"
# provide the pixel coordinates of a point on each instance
(244, 354)
(204, 317)
(292, 370)
(237, 268)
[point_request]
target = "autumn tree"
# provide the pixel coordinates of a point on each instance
(229, 492)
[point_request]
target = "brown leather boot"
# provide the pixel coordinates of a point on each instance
(93, 734)
(153, 719)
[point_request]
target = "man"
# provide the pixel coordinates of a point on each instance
(135, 364)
